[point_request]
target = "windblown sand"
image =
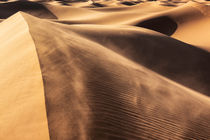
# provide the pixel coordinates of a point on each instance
(105, 70)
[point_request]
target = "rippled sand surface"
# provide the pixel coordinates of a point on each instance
(104, 70)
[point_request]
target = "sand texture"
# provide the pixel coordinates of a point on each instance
(105, 70)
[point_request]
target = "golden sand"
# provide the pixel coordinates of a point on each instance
(104, 70)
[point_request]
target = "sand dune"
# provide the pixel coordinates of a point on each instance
(22, 110)
(104, 70)
(181, 62)
(33, 8)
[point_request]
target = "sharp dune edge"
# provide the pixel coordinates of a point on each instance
(104, 70)
(22, 110)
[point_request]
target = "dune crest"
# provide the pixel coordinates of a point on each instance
(93, 83)
(104, 70)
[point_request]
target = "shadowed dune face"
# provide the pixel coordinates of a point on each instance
(102, 75)
(164, 25)
(129, 3)
(100, 101)
(176, 60)
(33, 8)
(98, 5)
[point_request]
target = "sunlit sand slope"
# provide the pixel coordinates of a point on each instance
(22, 102)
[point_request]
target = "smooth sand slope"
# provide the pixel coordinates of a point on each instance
(108, 70)
(22, 105)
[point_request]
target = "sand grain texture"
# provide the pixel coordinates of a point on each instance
(104, 70)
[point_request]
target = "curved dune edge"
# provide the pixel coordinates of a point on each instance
(187, 22)
(22, 102)
(109, 70)
(106, 96)
(33, 8)
(193, 24)
(106, 16)
(176, 60)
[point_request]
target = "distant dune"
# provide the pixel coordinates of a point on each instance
(104, 70)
